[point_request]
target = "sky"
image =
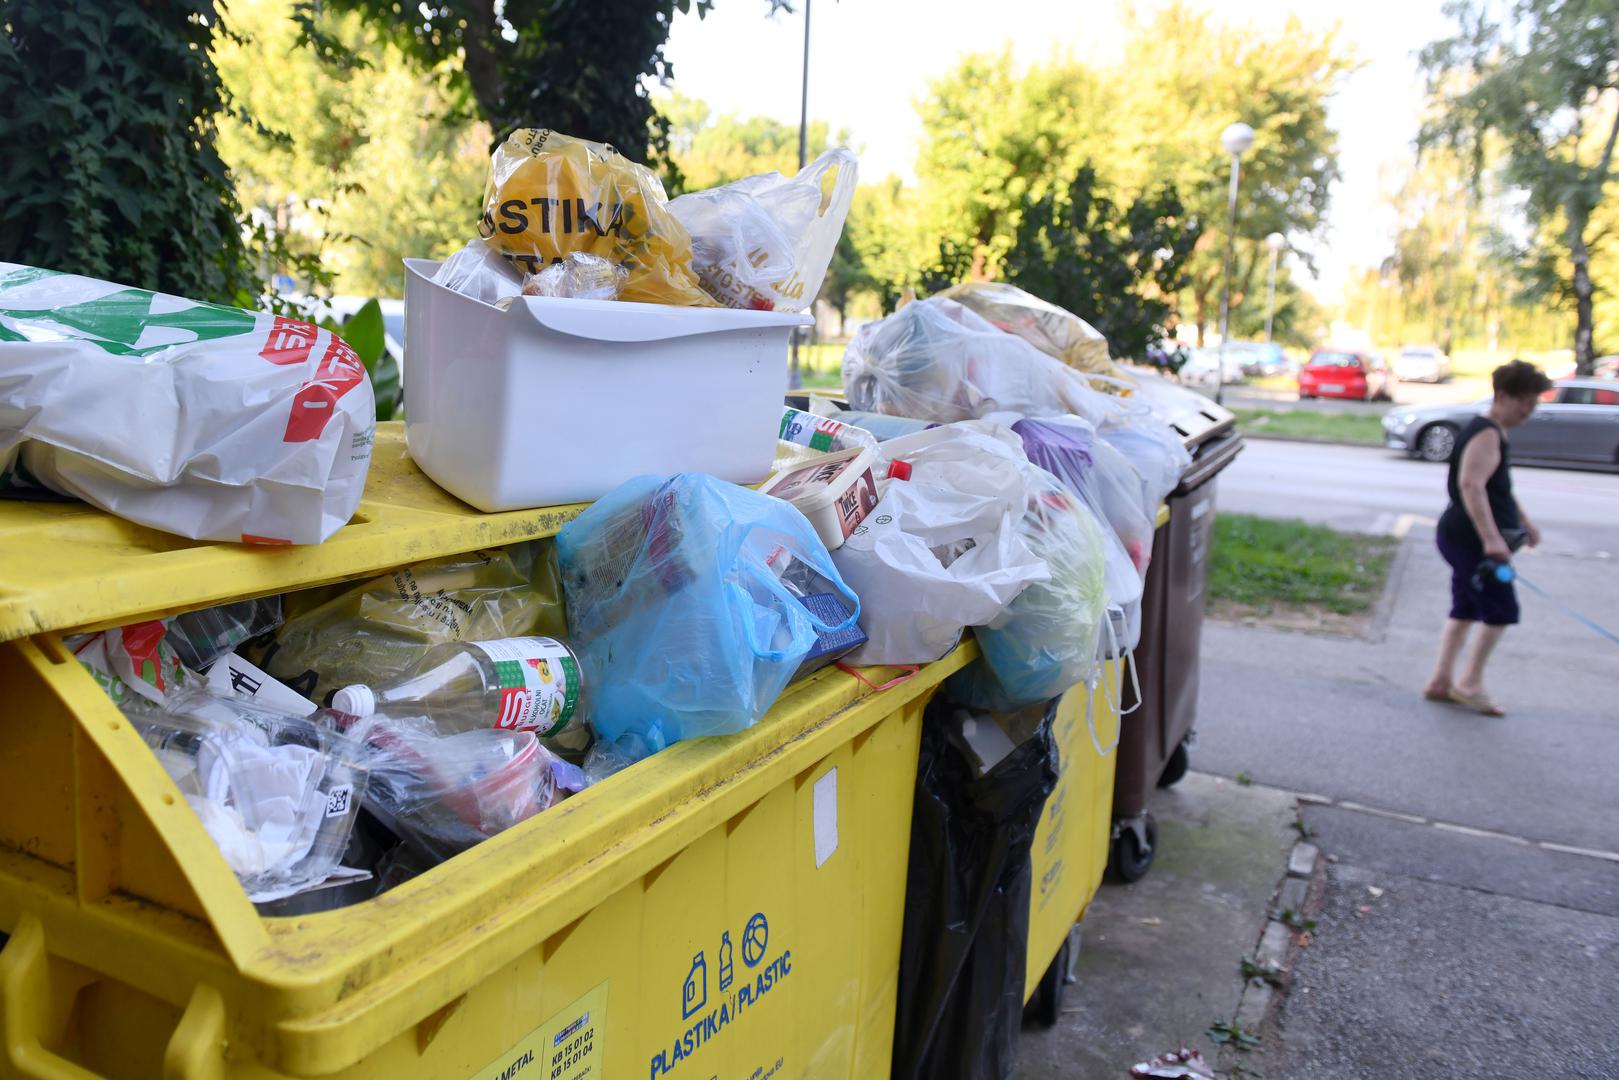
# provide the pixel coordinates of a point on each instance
(871, 59)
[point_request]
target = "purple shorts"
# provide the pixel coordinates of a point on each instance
(1489, 601)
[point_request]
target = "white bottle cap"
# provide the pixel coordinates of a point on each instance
(356, 700)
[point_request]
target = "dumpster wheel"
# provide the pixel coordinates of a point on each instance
(1135, 842)
(1175, 768)
(1046, 1004)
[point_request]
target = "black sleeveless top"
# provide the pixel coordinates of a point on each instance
(1454, 524)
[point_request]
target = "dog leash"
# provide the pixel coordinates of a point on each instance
(1507, 573)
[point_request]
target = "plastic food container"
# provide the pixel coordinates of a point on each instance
(553, 401)
(835, 491)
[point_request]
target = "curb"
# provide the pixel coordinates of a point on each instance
(1299, 895)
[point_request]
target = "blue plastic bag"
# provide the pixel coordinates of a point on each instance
(678, 607)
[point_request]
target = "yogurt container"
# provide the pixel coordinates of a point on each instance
(834, 491)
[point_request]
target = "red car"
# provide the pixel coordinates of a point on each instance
(1345, 373)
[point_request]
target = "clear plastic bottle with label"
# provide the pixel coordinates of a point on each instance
(527, 684)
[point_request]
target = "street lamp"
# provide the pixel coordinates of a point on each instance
(796, 377)
(1276, 242)
(1236, 139)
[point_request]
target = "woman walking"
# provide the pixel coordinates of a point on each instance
(1483, 522)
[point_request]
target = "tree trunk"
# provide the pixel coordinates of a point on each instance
(1584, 346)
(482, 67)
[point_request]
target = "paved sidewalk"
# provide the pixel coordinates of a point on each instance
(1484, 852)
(1161, 960)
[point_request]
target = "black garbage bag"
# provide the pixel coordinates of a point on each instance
(964, 951)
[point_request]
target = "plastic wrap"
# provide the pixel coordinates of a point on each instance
(580, 276)
(132, 663)
(682, 625)
(881, 426)
(206, 421)
(765, 242)
(936, 360)
(1055, 331)
(444, 793)
(1046, 640)
(481, 272)
(378, 630)
(201, 637)
(941, 551)
(551, 194)
(278, 794)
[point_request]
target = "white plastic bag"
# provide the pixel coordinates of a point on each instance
(206, 421)
(765, 242)
(936, 360)
(1157, 453)
(941, 551)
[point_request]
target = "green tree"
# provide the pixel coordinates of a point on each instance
(1541, 76)
(110, 167)
(709, 150)
(1187, 78)
(580, 66)
(362, 165)
(1119, 265)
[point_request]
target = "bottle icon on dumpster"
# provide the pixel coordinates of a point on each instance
(725, 961)
(694, 995)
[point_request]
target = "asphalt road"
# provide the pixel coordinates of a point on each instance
(1364, 489)
(1472, 920)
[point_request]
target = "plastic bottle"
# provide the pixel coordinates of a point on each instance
(528, 683)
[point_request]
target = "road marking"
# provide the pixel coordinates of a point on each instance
(1311, 799)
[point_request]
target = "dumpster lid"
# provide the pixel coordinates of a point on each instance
(70, 566)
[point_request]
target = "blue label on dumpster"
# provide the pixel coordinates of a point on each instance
(704, 1021)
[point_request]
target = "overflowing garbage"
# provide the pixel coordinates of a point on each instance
(986, 471)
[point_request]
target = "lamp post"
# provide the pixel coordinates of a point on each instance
(797, 379)
(1236, 140)
(1276, 242)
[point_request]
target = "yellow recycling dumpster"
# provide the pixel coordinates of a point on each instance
(730, 907)
(1070, 848)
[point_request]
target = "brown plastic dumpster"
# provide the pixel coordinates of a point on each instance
(1160, 704)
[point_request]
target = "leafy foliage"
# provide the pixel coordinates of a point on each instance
(579, 66)
(1121, 266)
(367, 336)
(110, 168)
(1540, 77)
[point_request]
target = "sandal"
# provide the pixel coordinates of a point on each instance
(1430, 694)
(1479, 702)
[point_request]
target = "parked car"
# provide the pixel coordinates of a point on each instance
(1257, 359)
(1421, 363)
(1577, 421)
(1199, 370)
(1606, 367)
(1345, 373)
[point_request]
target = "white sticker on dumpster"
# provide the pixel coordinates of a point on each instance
(826, 817)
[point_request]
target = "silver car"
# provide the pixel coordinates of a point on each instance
(1577, 421)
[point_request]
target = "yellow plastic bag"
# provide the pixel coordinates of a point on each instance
(550, 195)
(376, 631)
(1053, 330)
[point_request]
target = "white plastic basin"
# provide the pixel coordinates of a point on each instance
(558, 401)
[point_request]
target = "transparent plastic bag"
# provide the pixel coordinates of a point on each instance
(278, 794)
(1157, 453)
(445, 793)
(880, 425)
(765, 241)
(479, 271)
(941, 551)
(1055, 331)
(681, 622)
(1108, 489)
(201, 637)
(551, 194)
(936, 360)
(1045, 642)
(378, 630)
